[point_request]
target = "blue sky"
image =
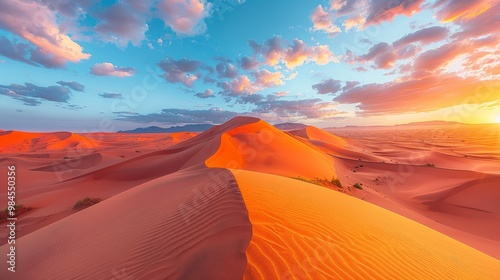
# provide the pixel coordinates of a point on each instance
(109, 65)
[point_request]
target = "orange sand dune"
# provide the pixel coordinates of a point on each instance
(261, 147)
(191, 225)
(17, 141)
(304, 231)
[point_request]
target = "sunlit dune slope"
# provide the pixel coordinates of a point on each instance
(316, 134)
(188, 225)
(303, 231)
(261, 147)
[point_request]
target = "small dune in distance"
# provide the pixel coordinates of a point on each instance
(249, 200)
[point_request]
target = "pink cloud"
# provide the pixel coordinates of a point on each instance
(37, 24)
(361, 14)
(424, 36)
(380, 11)
(185, 16)
(238, 86)
(123, 23)
(298, 53)
(108, 69)
(323, 21)
(382, 54)
(327, 86)
(267, 79)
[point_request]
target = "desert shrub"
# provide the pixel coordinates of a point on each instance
(86, 202)
(430, 164)
(358, 186)
(18, 210)
(336, 182)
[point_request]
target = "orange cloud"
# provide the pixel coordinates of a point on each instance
(420, 95)
(452, 10)
(356, 21)
(265, 78)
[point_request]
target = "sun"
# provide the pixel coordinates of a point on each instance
(497, 119)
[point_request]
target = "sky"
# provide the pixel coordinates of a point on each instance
(89, 66)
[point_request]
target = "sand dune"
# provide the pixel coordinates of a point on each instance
(170, 211)
(192, 225)
(17, 141)
(261, 147)
(306, 231)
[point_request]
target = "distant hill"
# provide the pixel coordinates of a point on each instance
(156, 129)
(290, 126)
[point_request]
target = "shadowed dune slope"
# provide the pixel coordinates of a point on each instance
(261, 147)
(188, 225)
(302, 231)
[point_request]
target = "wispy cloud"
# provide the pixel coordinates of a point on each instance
(108, 69)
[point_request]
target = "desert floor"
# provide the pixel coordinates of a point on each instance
(247, 200)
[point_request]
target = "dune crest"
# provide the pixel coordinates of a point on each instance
(261, 147)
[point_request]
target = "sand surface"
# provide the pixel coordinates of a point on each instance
(247, 200)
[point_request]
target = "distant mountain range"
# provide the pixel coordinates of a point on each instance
(156, 129)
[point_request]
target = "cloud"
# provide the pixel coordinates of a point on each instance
(382, 54)
(281, 93)
(123, 22)
(31, 94)
(110, 95)
(238, 86)
(292, 76)
(360, 14)
(226, 70)
(212, 115)
(265, 78)
(290, 109)
(435, 58)
(108, 69)
(419, 95)
(380, 11)
(323, 21)
(185, 16)
(356, 21)
(44, 32)
(15, 51)
(297, 53)
(248, 63)
(180, 71)
(206, 94)
(72, 85)
(327, 86)
(451, 10)
(424, 36)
